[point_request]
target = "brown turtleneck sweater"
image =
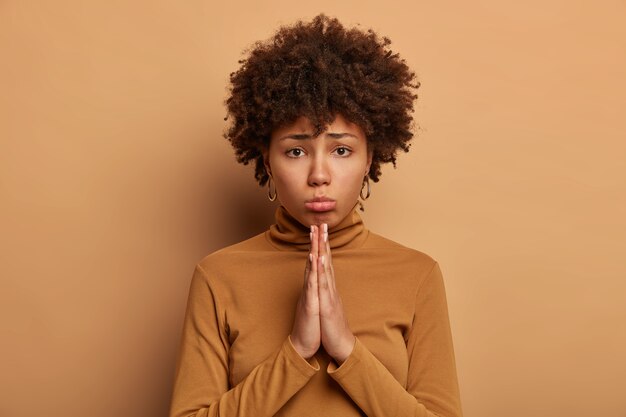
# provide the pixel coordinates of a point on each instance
(236, 356)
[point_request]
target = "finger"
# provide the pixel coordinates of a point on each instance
(312, 276)
(314, 241)
(307, 267)
(328, 264)
(323, 237)
(323, 272)
(312, 261)
(308, 259)
(322, 278)
(328, 251)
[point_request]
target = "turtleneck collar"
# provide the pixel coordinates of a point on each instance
(289, 234)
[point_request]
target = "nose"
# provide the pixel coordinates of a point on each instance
(319, 173)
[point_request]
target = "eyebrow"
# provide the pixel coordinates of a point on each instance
(304, 136)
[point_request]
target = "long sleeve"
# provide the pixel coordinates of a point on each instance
(201, 382)
(432, 387)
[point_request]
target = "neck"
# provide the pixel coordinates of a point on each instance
(289, 234)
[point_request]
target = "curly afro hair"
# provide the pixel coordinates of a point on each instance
(317, 70)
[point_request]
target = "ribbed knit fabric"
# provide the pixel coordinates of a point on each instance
(236, 357)
(289, 234)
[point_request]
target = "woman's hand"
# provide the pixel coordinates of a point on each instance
(336, 335)
(306, 335)
(320, 317)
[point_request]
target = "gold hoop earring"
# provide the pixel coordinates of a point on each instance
(366, 181)
(269, 190)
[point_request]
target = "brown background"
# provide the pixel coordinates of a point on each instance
(115, 181)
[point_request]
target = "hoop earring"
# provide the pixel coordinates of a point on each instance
(366, 181)
(269, 190)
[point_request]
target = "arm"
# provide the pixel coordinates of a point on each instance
(432, 387)
(201, 383)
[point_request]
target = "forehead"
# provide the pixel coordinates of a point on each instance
(303, 125)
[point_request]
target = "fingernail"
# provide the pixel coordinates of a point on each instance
(311, 228)
(326, 227)
(310, 257)
(322, 259)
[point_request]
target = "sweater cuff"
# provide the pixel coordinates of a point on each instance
(355, 356)
(307, 367)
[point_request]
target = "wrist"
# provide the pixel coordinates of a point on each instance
(345, 354)
(299, 350)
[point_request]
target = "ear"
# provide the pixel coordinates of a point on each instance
(370, 157)
(266, 160)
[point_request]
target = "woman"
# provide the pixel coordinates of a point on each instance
(318, 108)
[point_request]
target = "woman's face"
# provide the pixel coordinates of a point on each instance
(318, 179)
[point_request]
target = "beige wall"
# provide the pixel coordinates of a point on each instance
(112, 186)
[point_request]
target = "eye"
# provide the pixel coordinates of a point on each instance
(294, 153)
(343, 151)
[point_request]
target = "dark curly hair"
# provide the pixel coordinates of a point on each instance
(316, 70)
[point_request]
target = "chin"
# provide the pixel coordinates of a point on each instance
(318, 218)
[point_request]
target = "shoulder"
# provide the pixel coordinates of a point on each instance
(228, 254)
(405, 267)
(378, 242)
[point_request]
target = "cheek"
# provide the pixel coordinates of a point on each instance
(288, 180)
(350, 183)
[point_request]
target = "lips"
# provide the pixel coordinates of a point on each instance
(320, 204)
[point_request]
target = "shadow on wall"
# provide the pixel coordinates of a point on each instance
(232, 207)
(238, 206)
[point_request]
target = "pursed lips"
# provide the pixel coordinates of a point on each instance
(320, 204)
